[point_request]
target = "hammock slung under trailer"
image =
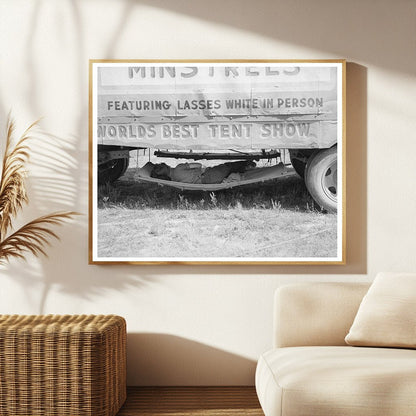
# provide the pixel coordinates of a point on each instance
(255, 175)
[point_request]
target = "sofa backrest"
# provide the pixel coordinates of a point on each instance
(309, 314)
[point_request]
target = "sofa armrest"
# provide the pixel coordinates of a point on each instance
(315, 313)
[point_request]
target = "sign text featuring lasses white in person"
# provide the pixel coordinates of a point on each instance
(209, 106)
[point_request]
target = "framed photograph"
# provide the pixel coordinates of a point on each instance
(239, 162)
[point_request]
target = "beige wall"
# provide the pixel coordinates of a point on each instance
(204, 325)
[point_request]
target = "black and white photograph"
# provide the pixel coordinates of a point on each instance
(217, 161)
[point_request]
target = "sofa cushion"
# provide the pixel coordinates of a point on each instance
(387, 314)
(341, 381)
(315, 314)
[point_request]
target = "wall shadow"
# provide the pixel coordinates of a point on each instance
(64, 184)
(337, 28)
(58, 180)
(168, 360)
(53, 187)
(356, 166)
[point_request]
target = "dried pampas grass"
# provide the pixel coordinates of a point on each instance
(34, 236)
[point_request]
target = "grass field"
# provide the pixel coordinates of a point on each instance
(276, 219)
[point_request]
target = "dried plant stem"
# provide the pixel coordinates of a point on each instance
(34, 236)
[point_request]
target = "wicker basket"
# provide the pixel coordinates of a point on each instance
(72, 365)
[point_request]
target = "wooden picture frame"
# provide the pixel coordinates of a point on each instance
(217, 162)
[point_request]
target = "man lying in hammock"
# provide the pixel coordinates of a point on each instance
(196, 173)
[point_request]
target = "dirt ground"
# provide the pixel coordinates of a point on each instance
(215, 233)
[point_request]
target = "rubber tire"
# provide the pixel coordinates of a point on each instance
(320, 176)
(112, 170)
(299, 158)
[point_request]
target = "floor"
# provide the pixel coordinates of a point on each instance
(191, 401)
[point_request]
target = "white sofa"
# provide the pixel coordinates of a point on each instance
(311, 371)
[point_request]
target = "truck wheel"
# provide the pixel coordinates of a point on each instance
(112, 170)
(299, 159)
(321, 178)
